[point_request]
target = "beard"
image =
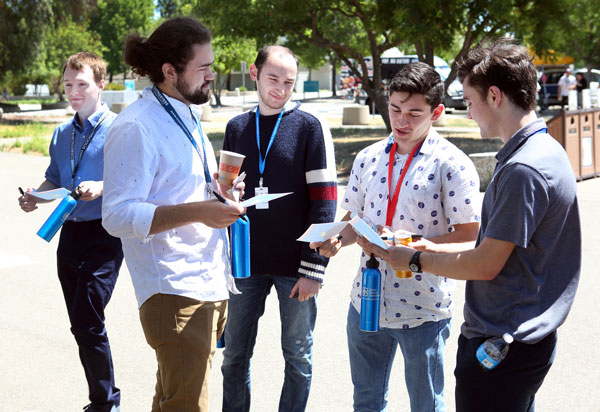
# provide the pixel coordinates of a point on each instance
(194, 96)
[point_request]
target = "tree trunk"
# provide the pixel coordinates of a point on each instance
(110, 77)
(379, 97)
(333, 76)
(217, 89)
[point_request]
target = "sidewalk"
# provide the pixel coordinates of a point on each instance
(41, 370)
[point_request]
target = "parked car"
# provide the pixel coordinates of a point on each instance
(550, 87)
(391, 65)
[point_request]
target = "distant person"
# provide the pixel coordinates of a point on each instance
(566, 83)
(287, 150)
(580, 85)
(88, 258)
(418, 182)
(159, 199)
(4, 94)
(523, 273)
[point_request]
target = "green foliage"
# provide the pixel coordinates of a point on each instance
(27, 130)
(62, 41)
(22, 24)
(37, 145)
(113, 20)
(229, 54)
(114, 86)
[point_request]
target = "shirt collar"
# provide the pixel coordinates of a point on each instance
(519, 137)
(92, 120)
(428, 144)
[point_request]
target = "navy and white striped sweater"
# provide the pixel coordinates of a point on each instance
(301, 161)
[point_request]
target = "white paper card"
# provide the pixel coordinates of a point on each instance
(320, 232)
(50, 194)
(263, 198)
(365, 230)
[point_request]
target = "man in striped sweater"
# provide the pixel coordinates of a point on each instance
(287, 150)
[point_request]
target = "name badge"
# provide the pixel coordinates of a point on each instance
(261, 191)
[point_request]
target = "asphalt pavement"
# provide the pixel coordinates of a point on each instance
(41, 370)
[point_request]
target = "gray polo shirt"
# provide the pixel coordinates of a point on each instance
(531, 202)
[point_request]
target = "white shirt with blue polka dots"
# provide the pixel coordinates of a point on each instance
(440, 189)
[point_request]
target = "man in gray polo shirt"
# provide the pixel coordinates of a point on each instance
(523, 273)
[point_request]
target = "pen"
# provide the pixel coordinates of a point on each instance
(21, 191)
(414, 237)
(223, 200)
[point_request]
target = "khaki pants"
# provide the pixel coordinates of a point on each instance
(183, 332)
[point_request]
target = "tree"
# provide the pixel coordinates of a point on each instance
(569, 27)
(22, 24)
(62, 41)
(113, 20)
(229, 54)
(355, 29)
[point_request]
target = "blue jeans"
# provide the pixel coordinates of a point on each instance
(510, 386)
(372, 355)
(297, 324)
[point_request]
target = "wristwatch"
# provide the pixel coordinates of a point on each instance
(415, 264)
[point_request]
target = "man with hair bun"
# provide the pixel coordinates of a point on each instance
(88, 258)
(159, 199)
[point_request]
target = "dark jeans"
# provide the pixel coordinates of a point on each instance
(89, 260)
(510, 386)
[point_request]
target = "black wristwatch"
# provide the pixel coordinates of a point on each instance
(415, 264)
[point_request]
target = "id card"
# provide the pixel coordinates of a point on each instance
(261, 191)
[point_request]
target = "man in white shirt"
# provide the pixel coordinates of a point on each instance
(415, 181)
(566, 83)
(158, 198)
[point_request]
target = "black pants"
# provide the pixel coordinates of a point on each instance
(89, 260)
(510, 386)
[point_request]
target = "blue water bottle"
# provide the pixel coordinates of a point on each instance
(58, 217)
(240, 247)
(371, 291)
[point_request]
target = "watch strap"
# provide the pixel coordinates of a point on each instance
(415, 262)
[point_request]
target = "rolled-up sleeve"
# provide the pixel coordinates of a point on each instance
(130, 164)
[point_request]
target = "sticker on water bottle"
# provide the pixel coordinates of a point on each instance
(485, 359)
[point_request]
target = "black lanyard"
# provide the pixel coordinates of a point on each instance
(84, 146)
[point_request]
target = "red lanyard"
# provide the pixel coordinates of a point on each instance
(393, 200)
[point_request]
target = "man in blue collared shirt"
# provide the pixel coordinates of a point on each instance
(88, 258)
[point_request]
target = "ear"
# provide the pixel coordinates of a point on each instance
(494, 96)
(101, 84)
(169, 72)
(253, 72)
(437, 112)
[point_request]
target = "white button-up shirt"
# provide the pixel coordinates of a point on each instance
(149, 162)
(440, 189)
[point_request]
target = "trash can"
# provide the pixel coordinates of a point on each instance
(564, 127)
(596, 116)
(586, 143)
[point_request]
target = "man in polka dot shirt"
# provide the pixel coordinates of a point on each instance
(438, 199)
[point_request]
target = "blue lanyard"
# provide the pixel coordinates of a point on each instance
(261, 161)
(169, 109)
(84, 146)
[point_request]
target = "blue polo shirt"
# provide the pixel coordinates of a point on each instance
(531, 202)
(92, 163)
